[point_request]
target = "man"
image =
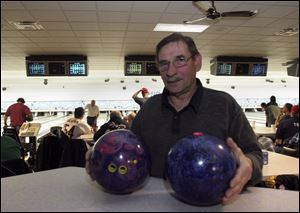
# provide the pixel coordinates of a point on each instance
(185, 107)
(272, 111)
(93, 113)
(284, 114)
(145, 94)
(272, 101)
(18, 113)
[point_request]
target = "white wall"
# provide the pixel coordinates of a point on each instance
(79, 89)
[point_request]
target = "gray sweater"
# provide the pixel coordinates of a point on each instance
(209, 111)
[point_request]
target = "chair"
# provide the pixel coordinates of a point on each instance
(290, 182)
(290, 152)
(56, 130)
(266, 143)
(49, 153)
(74, 153)
(14, 167)
(25, 147)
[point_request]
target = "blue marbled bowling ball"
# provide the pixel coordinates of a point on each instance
(199, 168)
(120, 162)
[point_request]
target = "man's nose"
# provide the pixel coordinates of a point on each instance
(171, 70)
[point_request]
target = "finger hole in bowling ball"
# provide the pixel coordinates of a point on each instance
(118, 164)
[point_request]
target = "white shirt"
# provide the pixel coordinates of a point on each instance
(93, 111)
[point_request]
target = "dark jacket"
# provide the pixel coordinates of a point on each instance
(113, 123)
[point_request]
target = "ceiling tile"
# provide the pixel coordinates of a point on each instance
(113, 26)
(114, 6)
(53, 25)
(78, 5)
(149, 6)
(48, 15)
(84, 26)
(86, 33)
(81, 16)
(16, 15)
(12, 5)
(61, 33)
(144, 17)
(113, 16)
(41, 5)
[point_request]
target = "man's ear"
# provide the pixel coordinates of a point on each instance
(198, 62)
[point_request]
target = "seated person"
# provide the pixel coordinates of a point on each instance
(129, 118)
(10, 149)
(287, 129)
(284, 114)
(115, 122)
(75, 127)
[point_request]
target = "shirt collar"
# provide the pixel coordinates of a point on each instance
(195, 101)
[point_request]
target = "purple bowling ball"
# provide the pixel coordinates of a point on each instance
(120, 162)
(199, 168)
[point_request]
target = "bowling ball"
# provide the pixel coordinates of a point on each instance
(120, 162)
(199, 168)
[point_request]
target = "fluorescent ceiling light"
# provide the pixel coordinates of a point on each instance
(180, 28)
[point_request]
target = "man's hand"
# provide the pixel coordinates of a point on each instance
(242, 176)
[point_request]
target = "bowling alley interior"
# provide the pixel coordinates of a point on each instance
(73, 72)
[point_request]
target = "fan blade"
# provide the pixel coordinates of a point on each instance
(204, 6)
(239, 13)
(194, 21)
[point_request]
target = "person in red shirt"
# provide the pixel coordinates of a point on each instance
(142, 100)
(18, 113)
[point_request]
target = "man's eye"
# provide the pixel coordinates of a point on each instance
(181, 58)
(163, 63)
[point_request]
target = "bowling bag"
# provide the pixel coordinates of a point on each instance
(289, 182)
(112, 126)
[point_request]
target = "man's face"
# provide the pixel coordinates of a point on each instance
(178, 80)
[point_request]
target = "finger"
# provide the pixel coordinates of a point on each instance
(227, 200)
(233, 192)
(232, 145)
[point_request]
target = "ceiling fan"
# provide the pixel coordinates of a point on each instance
(211, 12)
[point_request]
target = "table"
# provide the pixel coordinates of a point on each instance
(88, 138)
(264, 131)
(280, 164)
(70, 189)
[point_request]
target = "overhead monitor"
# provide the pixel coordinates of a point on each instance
(259, 70)
(36, 68)
(133, 68)
(224, 69)
(151, 68)
(57, 68)
(242, 69)
(77, 68)
(56, 65)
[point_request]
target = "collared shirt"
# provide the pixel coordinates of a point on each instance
(18, 113)
(212, 112)
(93, 111)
